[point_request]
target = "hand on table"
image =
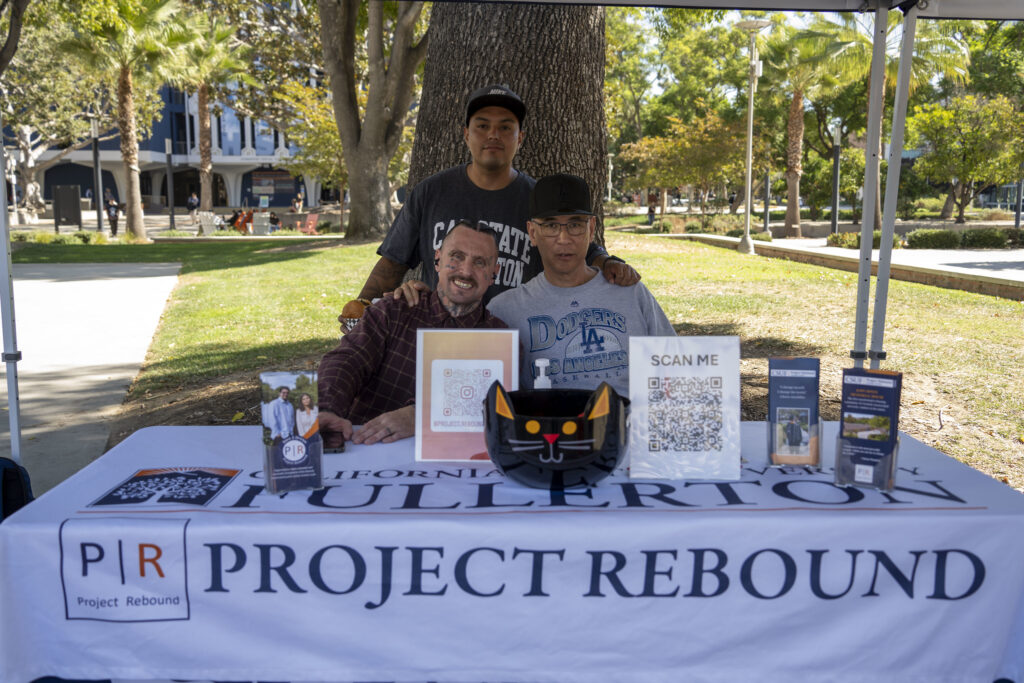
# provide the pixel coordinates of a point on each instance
(335, 430)
(410, 291)
(389, 427)
(619, 273)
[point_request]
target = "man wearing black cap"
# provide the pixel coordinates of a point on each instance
(487, 189)
(579, 322)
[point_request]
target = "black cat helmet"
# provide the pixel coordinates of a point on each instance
(556, 438)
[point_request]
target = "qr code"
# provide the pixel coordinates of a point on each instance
(464, 390)
(684, 414)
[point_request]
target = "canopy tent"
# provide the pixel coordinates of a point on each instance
(934, 9)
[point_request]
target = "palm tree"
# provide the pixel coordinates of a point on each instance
(843, 43)
(792, 67)
(213, 57)
(137, 41)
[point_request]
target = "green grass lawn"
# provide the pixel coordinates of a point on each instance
(247, 306)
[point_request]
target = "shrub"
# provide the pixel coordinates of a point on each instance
(1015, 237)
(995, 215)
(175, 233)
(89, 237)
(761, 236)
(846, 240)
(851, 240)
(65, 239)
(984, 238)
(614, 208)
(226, 233)
(21, 236)
(933, 239)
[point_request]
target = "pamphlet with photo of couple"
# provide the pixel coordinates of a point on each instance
(293, 447)
(868, 441)
(793, 424)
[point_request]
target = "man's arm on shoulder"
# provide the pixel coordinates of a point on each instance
(614, 269)
(385, 277)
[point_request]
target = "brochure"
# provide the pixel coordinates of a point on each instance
(292, 445)
(793, 423)
(454, 370)
(868, 441)
(685, 408)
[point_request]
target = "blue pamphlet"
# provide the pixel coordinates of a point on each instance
(292, 444)
(868, 440)
(793, 423)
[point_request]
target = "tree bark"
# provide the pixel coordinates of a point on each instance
(134, 221)
(369, 141)
(794, 163)
(552, 56)
(949, 204)
(205, 149)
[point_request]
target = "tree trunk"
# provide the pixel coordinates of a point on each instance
(950, 203)
(205, 149)
(552, 56)
(370, 135)
(794, 163)
(134, 222)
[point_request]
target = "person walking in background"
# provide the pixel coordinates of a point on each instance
(112, 211)
(193, 207)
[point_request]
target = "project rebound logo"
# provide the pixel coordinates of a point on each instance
(123, 569)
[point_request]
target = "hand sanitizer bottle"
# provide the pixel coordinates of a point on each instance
(542, 381)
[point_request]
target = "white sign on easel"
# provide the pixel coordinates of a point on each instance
(685, 408)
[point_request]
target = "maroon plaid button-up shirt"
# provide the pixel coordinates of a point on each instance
(373, 369)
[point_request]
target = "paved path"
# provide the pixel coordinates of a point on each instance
(1002, 263)
(83, 331)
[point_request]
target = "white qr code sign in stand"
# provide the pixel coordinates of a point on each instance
(685, 408)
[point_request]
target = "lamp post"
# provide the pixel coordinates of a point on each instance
(835, 177)
(170, 181)
(97, 195)
(751, 26)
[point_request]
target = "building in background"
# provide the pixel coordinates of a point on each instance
(247, 156)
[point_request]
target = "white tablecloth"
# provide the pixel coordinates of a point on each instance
(164, 559)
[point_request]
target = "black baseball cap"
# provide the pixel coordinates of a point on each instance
(495, 96)
(560, 194)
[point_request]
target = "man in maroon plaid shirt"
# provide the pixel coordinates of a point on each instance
(370, 378)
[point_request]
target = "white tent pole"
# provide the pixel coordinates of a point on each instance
(892, 185)
(876, 97)
(11, 355)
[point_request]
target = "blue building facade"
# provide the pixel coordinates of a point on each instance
(247, 156)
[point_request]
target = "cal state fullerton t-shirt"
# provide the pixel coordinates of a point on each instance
(437, 203)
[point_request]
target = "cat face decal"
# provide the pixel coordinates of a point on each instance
(555, 438)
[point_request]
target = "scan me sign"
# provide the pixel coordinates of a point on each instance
(121, 569)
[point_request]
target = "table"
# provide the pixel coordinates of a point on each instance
(423, 571)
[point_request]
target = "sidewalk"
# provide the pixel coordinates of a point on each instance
(83, 331)
(996, 272)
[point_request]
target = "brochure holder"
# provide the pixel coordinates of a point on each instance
(794, 436)
(293, 449)
(868, 442)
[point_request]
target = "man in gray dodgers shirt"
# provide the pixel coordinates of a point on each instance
(579, 322)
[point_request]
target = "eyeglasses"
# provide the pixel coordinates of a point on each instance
(574, 227)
